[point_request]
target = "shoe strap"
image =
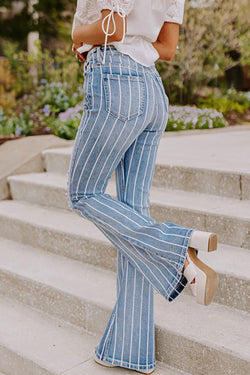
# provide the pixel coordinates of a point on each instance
(190, 272)
(194, 289)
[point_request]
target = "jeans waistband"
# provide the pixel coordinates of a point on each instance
(116, 57)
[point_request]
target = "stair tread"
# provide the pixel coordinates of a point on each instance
(50, 217)
(226, 260)
(52, 344)
(198, 202)
(213, 325)
(47, 341)
(212, 150)
(207, 151)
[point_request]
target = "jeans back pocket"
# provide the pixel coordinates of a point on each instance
(124, 95)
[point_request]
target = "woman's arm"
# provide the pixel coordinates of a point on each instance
(167, 41)
(93, 33)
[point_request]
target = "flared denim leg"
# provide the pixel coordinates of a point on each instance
(133, 315)
(151, 254)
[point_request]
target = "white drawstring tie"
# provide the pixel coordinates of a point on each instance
(122, 14)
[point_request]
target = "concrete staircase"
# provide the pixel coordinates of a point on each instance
(54, 266)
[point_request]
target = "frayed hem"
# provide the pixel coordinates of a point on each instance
(180, 281)
(130, 366)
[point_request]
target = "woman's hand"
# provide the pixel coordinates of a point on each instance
(78, 55)
(167, 41)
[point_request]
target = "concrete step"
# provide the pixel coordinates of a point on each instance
(33, 343)
(229, 218)
(73, 291)
(65, 233)
(199, 169)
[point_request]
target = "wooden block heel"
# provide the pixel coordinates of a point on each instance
(212, 242)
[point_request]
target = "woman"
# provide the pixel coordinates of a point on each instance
(125, 115)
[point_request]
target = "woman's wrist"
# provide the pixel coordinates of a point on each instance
(164, 51)
(93, 33)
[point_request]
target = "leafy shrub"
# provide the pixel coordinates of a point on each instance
(207, 36)
(66, 124)
(232, 100)
(16, 124)
(57, 96)
(37, 113)
(240, 97)
(52, 66)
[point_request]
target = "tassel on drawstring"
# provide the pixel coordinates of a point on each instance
(122, 14)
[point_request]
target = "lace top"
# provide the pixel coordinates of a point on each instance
(145, 19)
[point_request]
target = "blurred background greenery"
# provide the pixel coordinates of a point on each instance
(207, 82)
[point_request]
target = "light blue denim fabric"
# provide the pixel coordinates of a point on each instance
(125, 115)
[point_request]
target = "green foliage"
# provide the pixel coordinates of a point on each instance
(207, 37)
(16, 27)
(52, 108)
(57, 96)
(61, 66)
(65, 129)
(231, 100)
(66, 124)
(19, 64)
(240, 97)
(14, 124)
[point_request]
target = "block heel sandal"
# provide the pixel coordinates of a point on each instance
(206, 281)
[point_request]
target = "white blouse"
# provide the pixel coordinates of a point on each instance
(145, 19)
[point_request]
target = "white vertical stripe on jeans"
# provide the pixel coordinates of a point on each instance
(124, 313)
(129, 168)
(149, 307)
(139, 346)
(132, 323)
(137, 171)
(147, 165)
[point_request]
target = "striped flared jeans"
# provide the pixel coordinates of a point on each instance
(125, 114)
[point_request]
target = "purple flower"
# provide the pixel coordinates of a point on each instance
(46, 109)
(18, 131)
(71, 112)
(63, 116)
